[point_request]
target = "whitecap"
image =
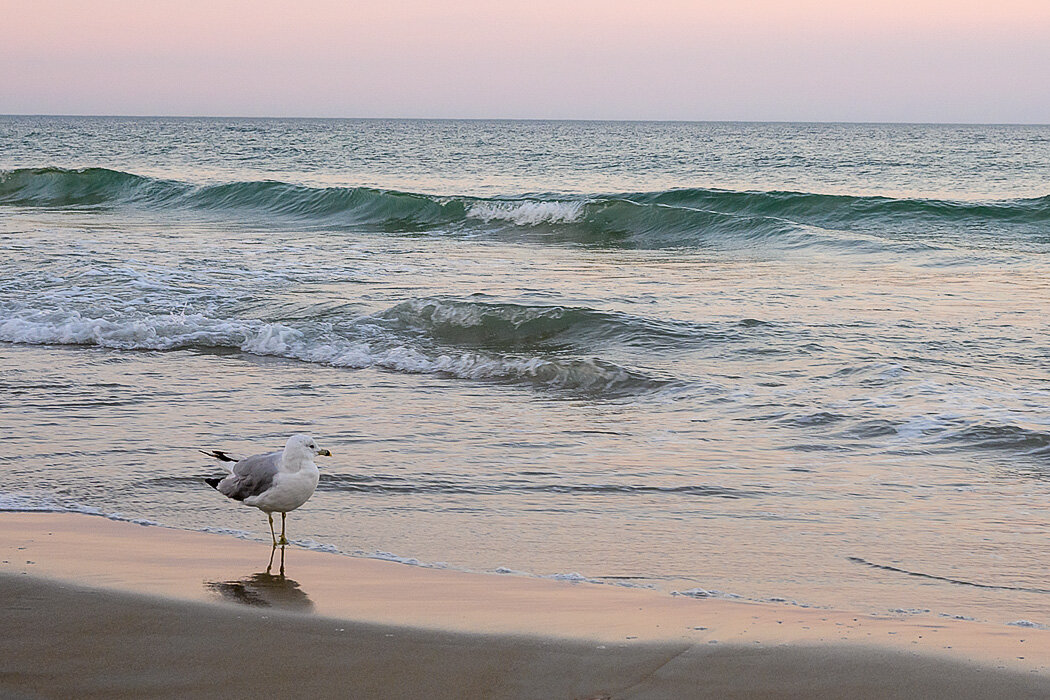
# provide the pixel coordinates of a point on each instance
(527, 212)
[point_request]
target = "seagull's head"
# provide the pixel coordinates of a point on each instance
(305, 446)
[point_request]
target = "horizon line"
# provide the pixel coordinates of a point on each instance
(529, 119)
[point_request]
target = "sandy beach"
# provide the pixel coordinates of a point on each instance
(96, 608)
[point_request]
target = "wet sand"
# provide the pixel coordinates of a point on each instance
(95, 608)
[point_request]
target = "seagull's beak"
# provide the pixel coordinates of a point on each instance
(324, 453)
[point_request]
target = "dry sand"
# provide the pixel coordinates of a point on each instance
(94, 608)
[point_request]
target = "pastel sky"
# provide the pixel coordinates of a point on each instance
(820, 60)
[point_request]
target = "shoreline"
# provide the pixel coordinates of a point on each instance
(64, 575)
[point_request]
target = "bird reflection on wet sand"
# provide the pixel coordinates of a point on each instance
(264, 589)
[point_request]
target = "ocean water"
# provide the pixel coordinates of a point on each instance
(806, 363)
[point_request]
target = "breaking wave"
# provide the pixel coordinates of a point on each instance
(690, 217)
(541, 346)
(501, 325)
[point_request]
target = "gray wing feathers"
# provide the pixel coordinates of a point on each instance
(251, 476)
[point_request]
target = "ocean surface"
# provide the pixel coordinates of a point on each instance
(806, 363)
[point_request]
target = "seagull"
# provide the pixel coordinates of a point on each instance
(276, 482)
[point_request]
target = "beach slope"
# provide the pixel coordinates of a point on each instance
(63, 638)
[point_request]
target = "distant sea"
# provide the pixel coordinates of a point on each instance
(807, 363)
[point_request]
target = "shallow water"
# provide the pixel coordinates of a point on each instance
(777, 361)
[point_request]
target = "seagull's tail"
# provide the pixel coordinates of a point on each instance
(222, 457)
(214, 483)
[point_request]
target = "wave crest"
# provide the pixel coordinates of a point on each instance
(504, 325)
(688, 217)
(527, 213)
(433, 343)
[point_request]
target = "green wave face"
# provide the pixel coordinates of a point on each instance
(514, 327)
(689, 218)
(59, 187)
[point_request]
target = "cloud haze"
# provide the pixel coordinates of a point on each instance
(924, 60)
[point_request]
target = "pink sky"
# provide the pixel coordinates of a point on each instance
(917, 60)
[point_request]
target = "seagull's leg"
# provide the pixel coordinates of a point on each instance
(270, 565)
(283, 540)
(272, 533)
(282, 562)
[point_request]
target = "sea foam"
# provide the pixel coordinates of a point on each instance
(527, 213)
(390, 350)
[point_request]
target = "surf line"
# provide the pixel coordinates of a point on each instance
(958, 582)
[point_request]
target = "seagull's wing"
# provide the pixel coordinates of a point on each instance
(251, 476)
(221, 455)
